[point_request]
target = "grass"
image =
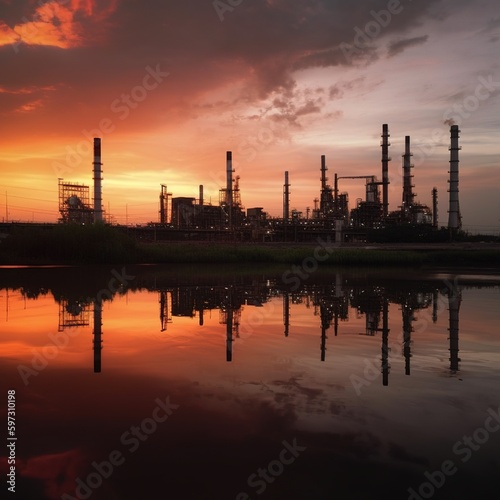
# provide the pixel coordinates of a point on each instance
(68, 244)
(99, 244)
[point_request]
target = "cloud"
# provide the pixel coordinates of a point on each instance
(60, 24)
(97, 51)
(398, 46)
(492, 30)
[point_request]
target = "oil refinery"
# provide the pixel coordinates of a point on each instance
(333, 213)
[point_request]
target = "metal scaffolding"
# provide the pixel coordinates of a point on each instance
(74, 203)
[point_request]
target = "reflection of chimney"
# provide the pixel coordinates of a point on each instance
(229, 334)
(407, 329)
(454, 300)
(97, 335)
(385, 168)
(97, 181)
(286, 312)
(435, 298)
(385, 343)
(454, 218)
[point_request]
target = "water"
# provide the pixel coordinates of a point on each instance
(214, 383)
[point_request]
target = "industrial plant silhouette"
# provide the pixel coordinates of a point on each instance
(331, 214)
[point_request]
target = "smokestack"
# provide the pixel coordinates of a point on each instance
(200, 201)
(434, 207)
(323, 172)
(286, 199)
(97, 181)
(336, 192)
(454, 217)
(385, 169)
(229, 178)
(408, 195)
(163, 204)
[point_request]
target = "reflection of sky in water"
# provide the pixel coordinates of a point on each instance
(234, 415)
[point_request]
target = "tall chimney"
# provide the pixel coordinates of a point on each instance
(454, 217)
(163, 204)
(200, 201)
(434, 207)
(408, 195)
(323, 172)
(286, 199)
(97, 181)
(385, 169)
(229, 178)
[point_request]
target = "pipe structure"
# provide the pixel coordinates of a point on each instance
(408, 195)
(434, 207)
(200, 201)
(385, 169)
(97, 181)
(286, 199)
(454, 218)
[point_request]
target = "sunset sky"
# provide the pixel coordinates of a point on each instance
(171, 86)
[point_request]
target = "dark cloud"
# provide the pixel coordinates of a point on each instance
(259, 44)
(338, 90)
(399, 46)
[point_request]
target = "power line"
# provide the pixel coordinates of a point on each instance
(28, 188)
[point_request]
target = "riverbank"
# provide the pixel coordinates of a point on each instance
(77, 245)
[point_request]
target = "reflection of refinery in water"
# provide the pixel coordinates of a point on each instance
(331, 304)
(331, 213)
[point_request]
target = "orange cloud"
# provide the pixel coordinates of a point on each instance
(56, 25)
(7, 35)
(30, 106)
